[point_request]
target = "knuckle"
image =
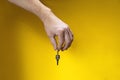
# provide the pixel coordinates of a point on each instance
(68, 42)
(60, 30)
(66, 25)
(66, 47)
(50, 36)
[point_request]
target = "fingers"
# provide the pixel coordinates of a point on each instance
(65, 39)
(60, 39)
(68, 40)
(53, 41)
(70, 33)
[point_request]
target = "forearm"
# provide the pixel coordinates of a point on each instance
(34, 6)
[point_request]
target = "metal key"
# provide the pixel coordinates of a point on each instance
(57, 57)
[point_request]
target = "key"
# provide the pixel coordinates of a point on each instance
(57, 57)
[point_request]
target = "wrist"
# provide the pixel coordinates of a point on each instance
(41, 11)
(45, 15)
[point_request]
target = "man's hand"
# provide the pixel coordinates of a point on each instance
(55, 27)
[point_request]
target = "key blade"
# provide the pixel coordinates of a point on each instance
(57, 57)
(57, 63)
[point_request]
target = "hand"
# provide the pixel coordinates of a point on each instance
(55, 27)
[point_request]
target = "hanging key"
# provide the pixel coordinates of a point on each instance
(57, 57)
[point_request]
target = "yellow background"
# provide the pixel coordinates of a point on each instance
(27, 54)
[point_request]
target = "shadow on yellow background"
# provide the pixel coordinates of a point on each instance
(26, 53)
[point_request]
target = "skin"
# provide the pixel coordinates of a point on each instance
(52, 24)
